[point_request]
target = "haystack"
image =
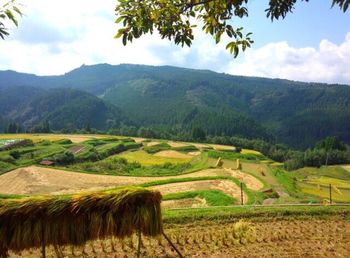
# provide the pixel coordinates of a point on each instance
(34, 222)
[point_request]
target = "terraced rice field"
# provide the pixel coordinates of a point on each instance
(160, 158)
(41, 180)
(75, 138)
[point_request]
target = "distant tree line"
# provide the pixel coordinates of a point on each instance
(43, 127)
(328, 151)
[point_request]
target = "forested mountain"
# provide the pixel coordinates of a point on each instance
(62, 108)
(166, 97)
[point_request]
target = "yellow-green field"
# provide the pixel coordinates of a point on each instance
(248, 151)
(76, 138)
(147, 159)
(326, 181)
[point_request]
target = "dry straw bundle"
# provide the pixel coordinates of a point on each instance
(75, 219)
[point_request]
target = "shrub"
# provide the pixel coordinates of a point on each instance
(157, 148)
(64, 159)
(15, 154)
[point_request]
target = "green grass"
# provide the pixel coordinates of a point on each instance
(230, 155)
(212, 197)
(185, 149)
(5, 167)
(157, 148)
(329, 171)
(254, 197)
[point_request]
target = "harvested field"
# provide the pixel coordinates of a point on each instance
(138, 140)
(43, 180)
(38, 180)
(307, 237)
(76, 149)
(185, 203)
(200, 145)
(177, 144)
(194, 153)
(222, 147)
(225, 186)
(172, 154)
(250, 181)
(153, 143)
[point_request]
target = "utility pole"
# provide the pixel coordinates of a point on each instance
(241, 193)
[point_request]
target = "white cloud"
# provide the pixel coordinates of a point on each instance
(327, 63)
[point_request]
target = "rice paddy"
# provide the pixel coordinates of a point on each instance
(187, 177)
(147, 159)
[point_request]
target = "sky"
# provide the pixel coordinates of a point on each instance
(56, 36)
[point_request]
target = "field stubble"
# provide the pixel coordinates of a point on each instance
(267, 237)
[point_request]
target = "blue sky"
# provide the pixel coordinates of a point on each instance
(311, 44)
(306, 26)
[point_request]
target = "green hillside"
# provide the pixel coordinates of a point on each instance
(171, 98)
(62, 108)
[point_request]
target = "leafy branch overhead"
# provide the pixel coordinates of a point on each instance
(176, 19)
(8, 12)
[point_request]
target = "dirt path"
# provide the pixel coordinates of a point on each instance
(42, 180)
(225, 186)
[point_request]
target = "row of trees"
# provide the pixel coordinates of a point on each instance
(43, 127)
(328, 151)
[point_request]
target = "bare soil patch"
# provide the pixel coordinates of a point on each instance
(172, 154)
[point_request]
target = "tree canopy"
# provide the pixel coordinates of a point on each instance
(8, 13)
(176, 19)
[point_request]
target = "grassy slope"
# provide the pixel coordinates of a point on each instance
(212, 197)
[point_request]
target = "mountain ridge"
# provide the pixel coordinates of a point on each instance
(167, 97)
